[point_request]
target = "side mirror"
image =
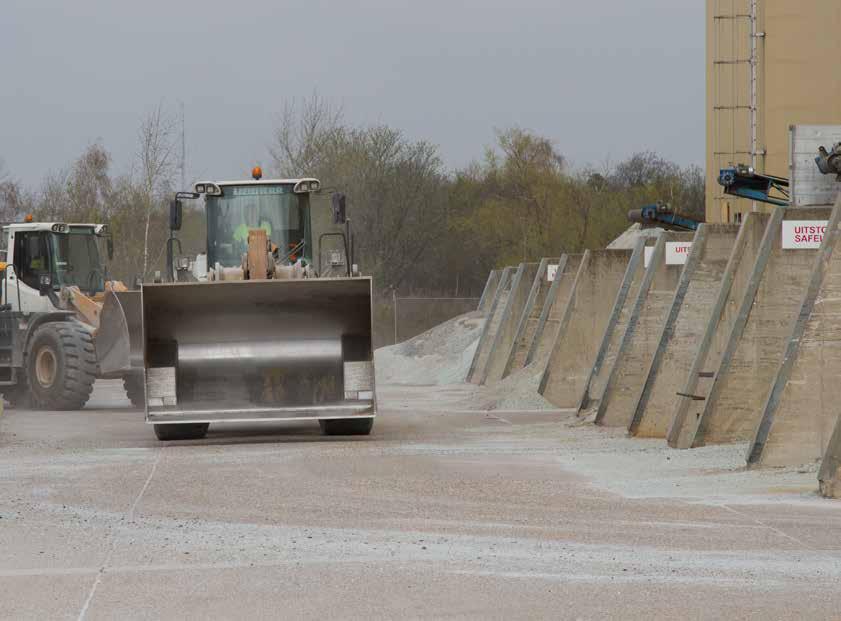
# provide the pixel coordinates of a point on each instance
(45, 284)
(339, 208)
(175, 214)
(110, 246)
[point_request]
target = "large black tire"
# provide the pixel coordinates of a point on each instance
(346, 426)
(61, 366)
(185, 431)
(133, 383)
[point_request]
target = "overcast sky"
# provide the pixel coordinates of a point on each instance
(602, 79)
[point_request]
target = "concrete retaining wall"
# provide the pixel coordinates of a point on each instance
(494, 316)
(801, 410)
(829, 475)
(716, 335)
(489, 292)
(532, 311)
(553, 311)
(642, 335)
(615, 330)
(683, 330)
(583, 325)
(506, 333)
(758, 339)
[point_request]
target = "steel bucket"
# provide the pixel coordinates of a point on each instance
(258, 350)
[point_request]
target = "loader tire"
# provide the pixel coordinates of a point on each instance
(185, 431)
(346, 426)
(61, 366)
(133, 384)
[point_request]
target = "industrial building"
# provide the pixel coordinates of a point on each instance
(770, 64)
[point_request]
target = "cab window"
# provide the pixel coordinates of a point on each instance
(31, 258)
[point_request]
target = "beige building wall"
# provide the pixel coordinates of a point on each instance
(798, 81)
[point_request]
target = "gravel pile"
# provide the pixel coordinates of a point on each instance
(442, 356)
(439, 356)
(518, 391)
(628, 239)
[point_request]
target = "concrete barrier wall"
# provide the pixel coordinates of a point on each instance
(583, 325)
(531, 313)
(758, 339)
(615, 330)
(642, 335)
(683, 330)
(801, 410)
(515, 306)
(553, 311)
(494, 316)
(716, 335)
(489, 292)
(829, 474)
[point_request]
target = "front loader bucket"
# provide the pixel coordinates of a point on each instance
(258, 350)
(119, 342)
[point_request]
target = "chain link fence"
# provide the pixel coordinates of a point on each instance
(397, 318)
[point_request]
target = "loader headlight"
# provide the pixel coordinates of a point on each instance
(306, 185)
(211, 189)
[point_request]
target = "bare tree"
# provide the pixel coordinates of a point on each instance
(302, 136)
(15, 199)
(157, 164)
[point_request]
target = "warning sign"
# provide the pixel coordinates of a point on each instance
(676, 253)
(551, 272)
(803, 234)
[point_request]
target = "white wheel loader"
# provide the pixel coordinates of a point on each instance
(271, 323)
(54, 283)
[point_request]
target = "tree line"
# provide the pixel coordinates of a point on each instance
(420, 228)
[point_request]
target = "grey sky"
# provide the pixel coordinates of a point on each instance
(602, 78)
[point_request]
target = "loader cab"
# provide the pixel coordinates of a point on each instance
(48, 256)
(280, 206)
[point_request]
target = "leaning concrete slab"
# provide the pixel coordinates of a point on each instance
(644, 330)
(544, 279)
(829, 474)
(683, 329)
(489, 292)
(583, 325)
(506, 333)
(767, 312)
(480, 356)
(717, 331)
(802, 407)
(553, 311)
(616, 325)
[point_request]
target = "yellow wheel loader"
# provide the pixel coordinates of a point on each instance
(271, 323)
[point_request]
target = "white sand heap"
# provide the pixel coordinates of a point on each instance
(442, 356)
(628, 239)
(439, 356)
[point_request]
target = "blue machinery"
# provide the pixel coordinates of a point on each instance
(744, 182)
(662, 216)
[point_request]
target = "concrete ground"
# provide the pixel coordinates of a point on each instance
(442, 512)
